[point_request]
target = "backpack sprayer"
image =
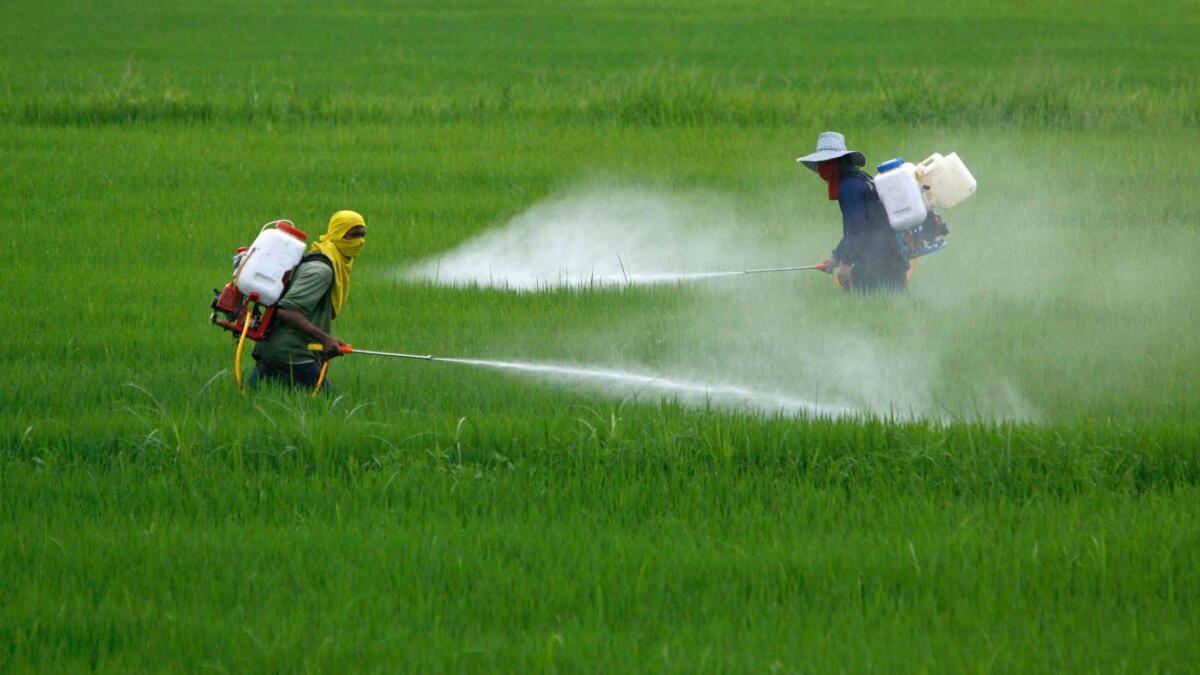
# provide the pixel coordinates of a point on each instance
(909, 192)
(246, 305)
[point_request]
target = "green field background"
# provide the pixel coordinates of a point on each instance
(1036, 508)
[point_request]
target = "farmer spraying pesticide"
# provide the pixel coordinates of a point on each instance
(886, 221)
(868, 257)
(286, 300)
(316, 296)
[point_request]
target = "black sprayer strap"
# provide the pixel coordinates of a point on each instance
(315, 256)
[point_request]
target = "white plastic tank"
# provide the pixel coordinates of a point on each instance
(273, 254)
(945, 180)
(900, 193)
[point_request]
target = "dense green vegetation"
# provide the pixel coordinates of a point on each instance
(1029, 502)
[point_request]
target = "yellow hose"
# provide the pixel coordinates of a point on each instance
(321, 378)
(237, 356)
(316, 347)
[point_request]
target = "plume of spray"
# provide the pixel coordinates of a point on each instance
(620, 381)
(803, 345)
(604, 236)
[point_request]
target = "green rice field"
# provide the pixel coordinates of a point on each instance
(1009, 479)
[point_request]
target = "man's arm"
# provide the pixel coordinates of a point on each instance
(330, 346)
(300, 301)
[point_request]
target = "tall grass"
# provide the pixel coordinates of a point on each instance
(662, 97)
(692, 543)
(1072, 65)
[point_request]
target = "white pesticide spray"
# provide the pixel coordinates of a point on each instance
(676, 277)
(608, 236)
(723, 394)
(620, 381)
(654, 278)
(807, 348)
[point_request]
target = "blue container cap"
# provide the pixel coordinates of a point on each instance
(895, 163)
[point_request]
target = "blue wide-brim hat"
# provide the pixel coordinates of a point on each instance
(831, 145)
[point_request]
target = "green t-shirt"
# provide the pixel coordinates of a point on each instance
(309, 295)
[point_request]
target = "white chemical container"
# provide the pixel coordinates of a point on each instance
(900, 193)
(945, 180)
(273, 254)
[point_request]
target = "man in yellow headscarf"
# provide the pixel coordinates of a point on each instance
(315, 295)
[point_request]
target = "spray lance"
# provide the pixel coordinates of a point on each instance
(695, 276)
(821, 267)
(347, 349)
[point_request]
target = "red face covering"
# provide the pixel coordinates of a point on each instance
(831, 170)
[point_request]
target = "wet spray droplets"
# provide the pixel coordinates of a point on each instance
(603, 236)
(685, 391)
(674, 277)
(782, 332)
(660, 278)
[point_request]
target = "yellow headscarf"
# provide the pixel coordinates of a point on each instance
(341, 253)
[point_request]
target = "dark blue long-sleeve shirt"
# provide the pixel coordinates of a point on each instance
(868, 242)
(853, 192)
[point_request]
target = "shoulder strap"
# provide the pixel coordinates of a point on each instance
(318, 257)
(315, 256)
(875, 211)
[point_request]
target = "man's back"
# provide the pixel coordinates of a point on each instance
(307, 293)
(868, 240)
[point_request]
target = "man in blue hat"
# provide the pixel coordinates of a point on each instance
(868, 258)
